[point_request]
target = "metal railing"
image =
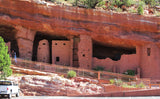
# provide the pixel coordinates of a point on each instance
(53, 68)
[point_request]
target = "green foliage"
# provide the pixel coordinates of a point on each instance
(128, 2)
(121, 2)
(118, 9)
(157, 14)
(92, 3)
(99, 68)
(141, 85)
(141, 3)
(133, 10)
(71, 74)
(5, 60)
(111, 7)
(127, 86)
(118, 82)
(140, 10)
(112, 81)
(130, 72)
(101, 3)
(115, 2)
(152, 3)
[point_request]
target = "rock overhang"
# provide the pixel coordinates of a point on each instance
(107, 28)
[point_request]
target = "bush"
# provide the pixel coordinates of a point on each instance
(71, 74)
(127, 86)
(92, 3)
(152, 3)
(128, 3)
(141, 85)
(118, 9)
(118, 82)
(116, 2)
(112, 81)
(131, 72)
(99, 68)
(101, 3)
(140, 10)
(5, 60)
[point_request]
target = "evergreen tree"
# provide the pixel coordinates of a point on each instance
(5, 60)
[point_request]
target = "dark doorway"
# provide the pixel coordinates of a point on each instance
(102, 52)
(8, 34)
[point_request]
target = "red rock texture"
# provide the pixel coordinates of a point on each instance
(105, 28)
(125, 30)
(56, 86)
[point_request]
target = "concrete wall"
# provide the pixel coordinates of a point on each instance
(126, 62)
(85, 52)
(61, 52)
(43, 51)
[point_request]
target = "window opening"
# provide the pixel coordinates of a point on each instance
(148, 51)
(57, 59)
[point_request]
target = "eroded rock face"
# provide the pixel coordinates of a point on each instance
(56, 86)
(30, 17)
(108, 28)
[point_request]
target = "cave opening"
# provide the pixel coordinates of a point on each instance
(8, 33)
(102, 51)
(41, 36)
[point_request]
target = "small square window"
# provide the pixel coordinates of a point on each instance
(57, 59)
(148, 51)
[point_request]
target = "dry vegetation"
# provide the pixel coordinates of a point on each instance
(141, 7)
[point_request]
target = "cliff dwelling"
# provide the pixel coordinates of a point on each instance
(82, 38)
(9, 35)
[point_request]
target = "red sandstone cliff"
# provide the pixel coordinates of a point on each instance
(26, 18)
(126, 30)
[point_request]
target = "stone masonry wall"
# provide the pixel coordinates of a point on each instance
(61, 52)
(43, 52)
(85, 52)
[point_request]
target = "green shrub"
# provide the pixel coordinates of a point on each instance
(112, 81)
(157, 14)
(128, 3)
(152, 3)
(111, 7)
(71, 74)
(127, 86)
(118, 9)
(140, 10)
(141, 85)
(132, 10)
(115, 2)
(118, 82)
(92, 3)
(131, 72)
(99, 68)
(101, 3)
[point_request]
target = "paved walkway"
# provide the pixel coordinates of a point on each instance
(55, 97)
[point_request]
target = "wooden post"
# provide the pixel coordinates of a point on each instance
(99, 75)
(149, 85)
